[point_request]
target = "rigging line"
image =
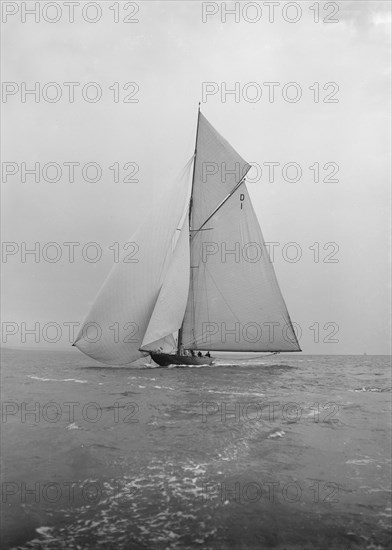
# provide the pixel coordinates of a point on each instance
(205, 271)
(186, 166)
(206, 229)
(221, 204)
(194, 166)
(191, 290)
(192, 278)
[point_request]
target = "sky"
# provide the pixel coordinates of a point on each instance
(335, 277)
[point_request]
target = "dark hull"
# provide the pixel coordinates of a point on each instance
(166, 359)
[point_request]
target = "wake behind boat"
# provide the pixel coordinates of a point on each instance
(204, 280)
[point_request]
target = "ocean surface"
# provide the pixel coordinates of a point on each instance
(284, 452)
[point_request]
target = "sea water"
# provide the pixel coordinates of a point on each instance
(284, 452)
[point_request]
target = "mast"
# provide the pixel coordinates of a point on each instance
(179, 343)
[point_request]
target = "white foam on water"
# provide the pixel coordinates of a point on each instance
(58, 380)
(276, 433)
(73, 426)
(361, 461)
(368, 389)
(44, 531)
(372, 490)
(237, 393)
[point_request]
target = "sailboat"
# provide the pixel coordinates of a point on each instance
(203, 280)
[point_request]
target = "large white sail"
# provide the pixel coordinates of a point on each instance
(116, 325)
(234, 301)
(170, 306)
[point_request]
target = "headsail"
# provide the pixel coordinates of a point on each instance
(234, 301)
(132, 295)
(170, 306)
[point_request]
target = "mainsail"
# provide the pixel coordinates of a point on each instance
(234, 301)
